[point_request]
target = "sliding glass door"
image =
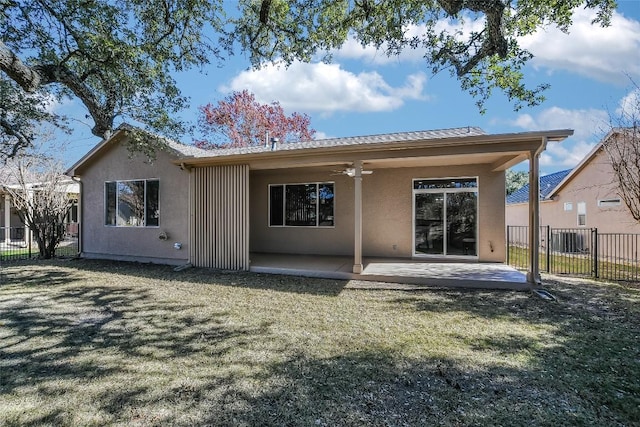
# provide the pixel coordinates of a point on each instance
(445, 217)
(429, 223)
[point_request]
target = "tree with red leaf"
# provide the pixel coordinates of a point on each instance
(241, 121)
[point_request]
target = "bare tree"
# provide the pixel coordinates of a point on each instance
(622, 145)
(40, 192)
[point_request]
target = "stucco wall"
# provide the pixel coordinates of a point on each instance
(518, 214)
(336, 240)
(135, 243)
(595, 182)
(387, 212)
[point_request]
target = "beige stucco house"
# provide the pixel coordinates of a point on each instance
(429, 195)
(585, 197)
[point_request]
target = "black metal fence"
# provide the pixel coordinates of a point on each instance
(18, 243)
(578, 251)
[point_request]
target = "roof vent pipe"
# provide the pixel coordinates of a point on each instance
(274, 143)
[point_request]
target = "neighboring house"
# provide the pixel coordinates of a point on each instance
(13, 230)
(432, 194)
(11, 226)
(583, 197)
(517, 211)
(10, 223)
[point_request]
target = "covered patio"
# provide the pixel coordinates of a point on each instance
(394, 273)
(419, 197)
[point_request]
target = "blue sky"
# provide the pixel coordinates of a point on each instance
(364, 92)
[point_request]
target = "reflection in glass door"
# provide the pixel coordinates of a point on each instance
(445, 217)
(429, 223)
(461, 223)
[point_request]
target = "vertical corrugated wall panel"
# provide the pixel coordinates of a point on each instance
(219, 220)
(191, 210)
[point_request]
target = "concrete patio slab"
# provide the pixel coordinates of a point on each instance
(395, 273)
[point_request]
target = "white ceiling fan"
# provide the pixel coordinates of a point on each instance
(352, 172)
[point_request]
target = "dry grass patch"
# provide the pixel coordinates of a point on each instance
(101, 343)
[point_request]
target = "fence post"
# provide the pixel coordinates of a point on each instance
(594, 246)
(508, 243)
(548, 260)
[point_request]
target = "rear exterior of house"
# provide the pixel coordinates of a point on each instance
(425, 195)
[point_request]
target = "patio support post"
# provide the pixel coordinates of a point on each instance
(533, 275)
(357, 232)
(7, 218)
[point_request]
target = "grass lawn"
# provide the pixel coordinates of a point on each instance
(100, 343)
(14, 253)
(577, 264)
(17, 252)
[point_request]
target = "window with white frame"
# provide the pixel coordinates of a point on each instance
(582, 213)
(301, 205)
(606, 203)
(568, 206)
(132, 203)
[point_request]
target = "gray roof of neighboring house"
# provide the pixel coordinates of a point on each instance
(346, 141)
(547, 184)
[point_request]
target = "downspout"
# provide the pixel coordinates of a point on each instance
(190, 224)
(533, 275)
(80, 215)
(190, 214)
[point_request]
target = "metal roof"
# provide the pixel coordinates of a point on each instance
(348, 141)
(547, 184)
(190, 155)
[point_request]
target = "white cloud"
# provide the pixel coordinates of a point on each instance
(629, 106)
(565, 154)
(608, 54)
(322, 135)
(586, 123)
(588, 126)
(51, 104)
(353, 49)
(326, 88)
